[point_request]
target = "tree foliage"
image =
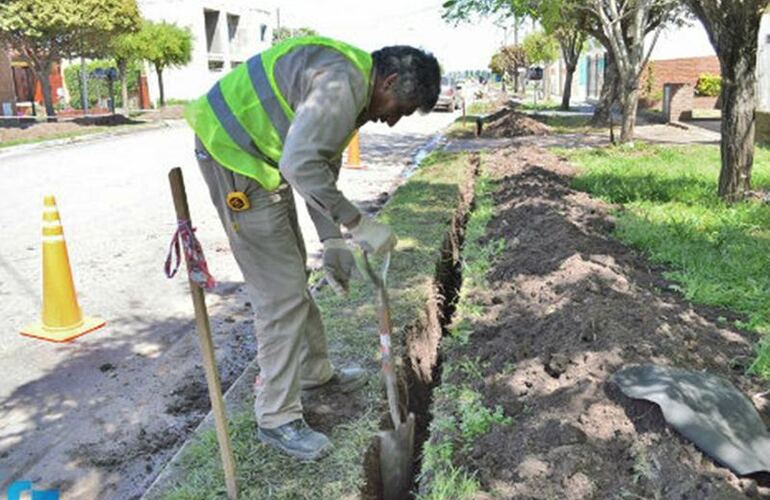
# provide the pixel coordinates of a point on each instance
(98, 88)
(164, 45)
(45, 31)
(457, 11)
(540, 47)
(284, 33)
(507, 61)
(126, 51)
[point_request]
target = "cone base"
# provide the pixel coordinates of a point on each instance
(354, 167)
(40, 331)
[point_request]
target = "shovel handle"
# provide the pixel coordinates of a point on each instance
(386, 328)
(203, 329)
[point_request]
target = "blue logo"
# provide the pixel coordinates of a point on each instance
(18, 487)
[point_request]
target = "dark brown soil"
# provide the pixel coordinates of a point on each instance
(513, 124)
(567, 306)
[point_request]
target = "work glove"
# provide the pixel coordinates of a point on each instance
(338, 263)
(373, 237)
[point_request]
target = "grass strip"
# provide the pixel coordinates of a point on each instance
(420, 212)
(668, 207)
(459, 415)
(50, 137)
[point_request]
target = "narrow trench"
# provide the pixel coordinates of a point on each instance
(421, 358)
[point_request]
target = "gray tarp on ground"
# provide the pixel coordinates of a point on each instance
(706, 409)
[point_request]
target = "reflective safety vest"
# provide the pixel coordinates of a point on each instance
(243, 120)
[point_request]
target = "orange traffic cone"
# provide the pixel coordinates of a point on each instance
(354, 153)
(62, 319)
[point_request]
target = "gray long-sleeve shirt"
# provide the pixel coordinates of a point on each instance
(328, 94)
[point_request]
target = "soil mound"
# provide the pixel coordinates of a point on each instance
(513, 124)
(566, 307)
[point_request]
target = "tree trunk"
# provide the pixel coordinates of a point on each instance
(83, 85)
(567, 94)
(43, 75)
(160, 86)
(122, 66)
(630, 101)
(609, 93)
(738, 125)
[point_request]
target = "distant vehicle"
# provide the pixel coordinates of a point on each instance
(535, 73)
(449, 98)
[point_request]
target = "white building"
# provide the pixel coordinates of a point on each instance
(225, 34)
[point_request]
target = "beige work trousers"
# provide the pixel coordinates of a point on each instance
(267, 244)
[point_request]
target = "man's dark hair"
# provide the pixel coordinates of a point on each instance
(419, 76)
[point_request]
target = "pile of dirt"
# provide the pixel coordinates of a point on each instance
(106, 120)
(513, 124)
(566, 307)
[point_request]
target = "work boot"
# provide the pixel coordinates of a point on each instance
(296, 439)
(343, 380)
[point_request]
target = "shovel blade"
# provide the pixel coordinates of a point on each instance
(396, 456)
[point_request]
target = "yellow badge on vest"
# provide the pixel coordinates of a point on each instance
(238, 201)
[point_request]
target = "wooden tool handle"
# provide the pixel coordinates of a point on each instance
(203, 329)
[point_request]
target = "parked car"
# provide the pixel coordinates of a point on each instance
(449, 98)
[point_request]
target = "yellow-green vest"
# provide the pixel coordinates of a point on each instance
(243, 120)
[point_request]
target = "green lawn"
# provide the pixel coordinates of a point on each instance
(62, 135)
(716, 254)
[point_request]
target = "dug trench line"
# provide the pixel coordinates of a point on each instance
(421, 360)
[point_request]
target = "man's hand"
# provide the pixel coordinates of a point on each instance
(338, 263)
(373, 237)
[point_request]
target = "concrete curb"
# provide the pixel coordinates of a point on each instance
(11, 151)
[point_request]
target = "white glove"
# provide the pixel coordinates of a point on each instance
(338, 263)
(373, 237)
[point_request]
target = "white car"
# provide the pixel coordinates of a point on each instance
(449, 98)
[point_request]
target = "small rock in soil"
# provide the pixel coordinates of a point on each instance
(106, 367)
(556, 364)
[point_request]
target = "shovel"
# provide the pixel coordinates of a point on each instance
(396, 446)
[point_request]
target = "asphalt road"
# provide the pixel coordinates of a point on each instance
(97, 418)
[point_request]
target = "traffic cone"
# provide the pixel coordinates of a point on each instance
(62, 319)
(354, 153)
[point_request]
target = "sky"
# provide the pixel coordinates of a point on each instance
(371, 25)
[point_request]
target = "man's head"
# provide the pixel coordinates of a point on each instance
(405, 79)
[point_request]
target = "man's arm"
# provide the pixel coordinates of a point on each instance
(321, 124)
(324, 226)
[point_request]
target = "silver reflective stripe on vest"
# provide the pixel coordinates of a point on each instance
(267, 97)
(233, 128)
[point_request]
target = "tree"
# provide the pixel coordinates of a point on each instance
(283, 33)
(541, 48)
(43, 32)
(165, 45)
(126, 50)
(733, 28)
(621, 26)
(507, 62)
(459, 11)
(559, 18)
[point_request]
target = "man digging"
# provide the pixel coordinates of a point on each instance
(279, 121)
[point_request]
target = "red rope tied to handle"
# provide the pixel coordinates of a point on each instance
(197, 268)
